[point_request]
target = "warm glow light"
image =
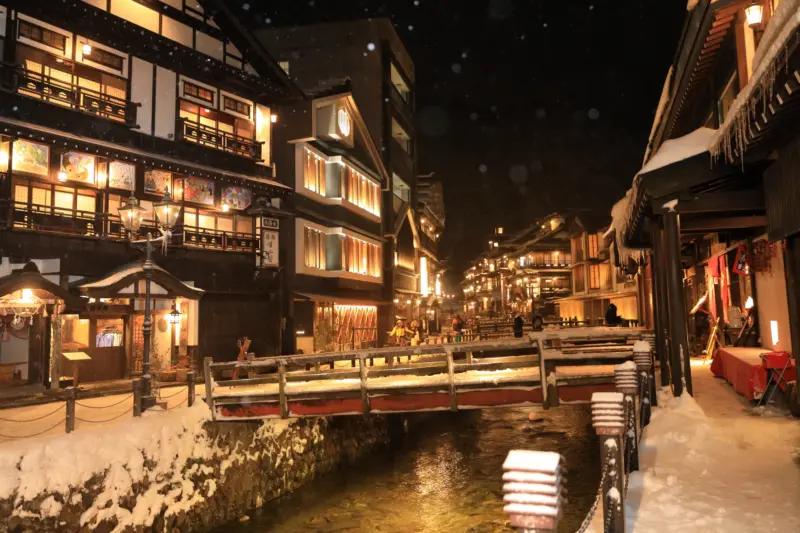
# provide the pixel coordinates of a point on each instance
(749, 303)
(301, 332)
(496, 245)
(438, 287)
(101, 178)
(423, 276)
(273, 118)
(27, 295)
(408, 302)
(225, 208)
(773, 328)
(4, 160)
(397, 300)
(87, 49)
(754, 13)
(62, 176)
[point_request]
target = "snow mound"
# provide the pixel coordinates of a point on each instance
(641, 346)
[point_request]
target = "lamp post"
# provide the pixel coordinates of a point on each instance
(131, 214)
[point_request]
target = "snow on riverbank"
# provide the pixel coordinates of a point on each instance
(713, 464)
(152, 451)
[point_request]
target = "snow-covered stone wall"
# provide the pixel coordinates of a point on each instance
(175, 471)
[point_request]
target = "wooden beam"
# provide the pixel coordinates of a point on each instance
(724, 201)
(724, 223)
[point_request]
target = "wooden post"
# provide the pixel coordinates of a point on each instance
(362, 371)
(208, 384)
(317, 368)
(679, 347)
(190, 382)
(137, 397)
(642, 357)
(660, 304)
(282, 390)
(550, 382)
(650, 339)
(451, 371)
(533, 488)
(608, 419)
(72, 394)
(469, 358)
(626, 382)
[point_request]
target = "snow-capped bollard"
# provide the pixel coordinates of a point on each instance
(643, 357)
(626, 382)
(72, 395)
(608, 419)
(190, 382)
(137, 397)
(533, 490)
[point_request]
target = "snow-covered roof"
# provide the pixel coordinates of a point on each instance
(679, 149)
(770, 56)
(135, 271)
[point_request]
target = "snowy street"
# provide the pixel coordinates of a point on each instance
(715, 464)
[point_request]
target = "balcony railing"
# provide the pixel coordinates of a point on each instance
(73, 222)
(402, 105)
(16, 78)
(218, 139)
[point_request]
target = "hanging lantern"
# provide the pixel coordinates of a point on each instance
(166, 212)
(131, 214)
(754, 14)
(174, 316)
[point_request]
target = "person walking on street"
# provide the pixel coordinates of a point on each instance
(518, 326)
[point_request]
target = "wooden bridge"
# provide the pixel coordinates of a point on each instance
(576, 362)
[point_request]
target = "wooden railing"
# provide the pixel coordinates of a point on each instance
(16, 78)
(351, 382)
(49, 219)
(218, 139)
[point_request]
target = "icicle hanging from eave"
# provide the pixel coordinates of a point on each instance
(730, 141)
(620, 218)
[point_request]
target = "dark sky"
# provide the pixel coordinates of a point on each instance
(524, 107)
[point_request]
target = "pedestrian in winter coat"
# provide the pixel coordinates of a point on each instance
(518, 325)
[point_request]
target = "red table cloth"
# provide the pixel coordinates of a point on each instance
(746, 370)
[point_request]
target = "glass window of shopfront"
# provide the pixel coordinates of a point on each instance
(74, 333)
(109, 333)
(65, 201)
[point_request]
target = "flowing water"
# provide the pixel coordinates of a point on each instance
(444, 476)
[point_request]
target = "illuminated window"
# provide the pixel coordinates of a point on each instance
(42, 35)
(361, 257)
(314, 172)
(314, 242)
(594, 276)
(200, 93)
(593, 246)
(362, 191)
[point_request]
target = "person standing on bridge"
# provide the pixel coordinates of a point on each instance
(518, 326)
(612, 318)
(458, 327)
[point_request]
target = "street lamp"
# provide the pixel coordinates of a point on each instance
(166, 213)
(174, 316)
(754, 14)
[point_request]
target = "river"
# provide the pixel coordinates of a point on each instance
(444, 476)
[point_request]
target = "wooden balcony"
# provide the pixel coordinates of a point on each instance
(18, 79)
(218, 139)
(74, 223)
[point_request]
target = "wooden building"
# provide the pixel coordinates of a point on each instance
(334, 247)
(596, 281)
(524, 272)
(369, 55)
(107, 99)
(714, 208)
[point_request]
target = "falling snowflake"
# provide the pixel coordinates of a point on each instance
(410, 28)
(246, 7)
(593, 114)
(482, 168)
(456, 68)
(473, 117)
(371, 47)
(416, 2)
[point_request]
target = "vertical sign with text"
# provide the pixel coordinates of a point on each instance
(269, 242)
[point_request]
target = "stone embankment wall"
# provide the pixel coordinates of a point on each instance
(170, 472)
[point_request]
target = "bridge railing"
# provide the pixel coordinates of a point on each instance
(443, 376)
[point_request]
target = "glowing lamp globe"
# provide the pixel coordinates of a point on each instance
(754, 14)
(131, 214)
(166, 212)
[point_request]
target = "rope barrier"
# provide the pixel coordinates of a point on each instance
(60, 422)
(104, 421)
(104, 406)
(178, 405)
(35, 419)
(171, 395)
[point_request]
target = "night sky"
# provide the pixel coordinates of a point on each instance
(524, 107)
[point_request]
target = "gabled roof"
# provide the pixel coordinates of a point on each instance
(127, 281)
(232, 22)
(29, 278)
